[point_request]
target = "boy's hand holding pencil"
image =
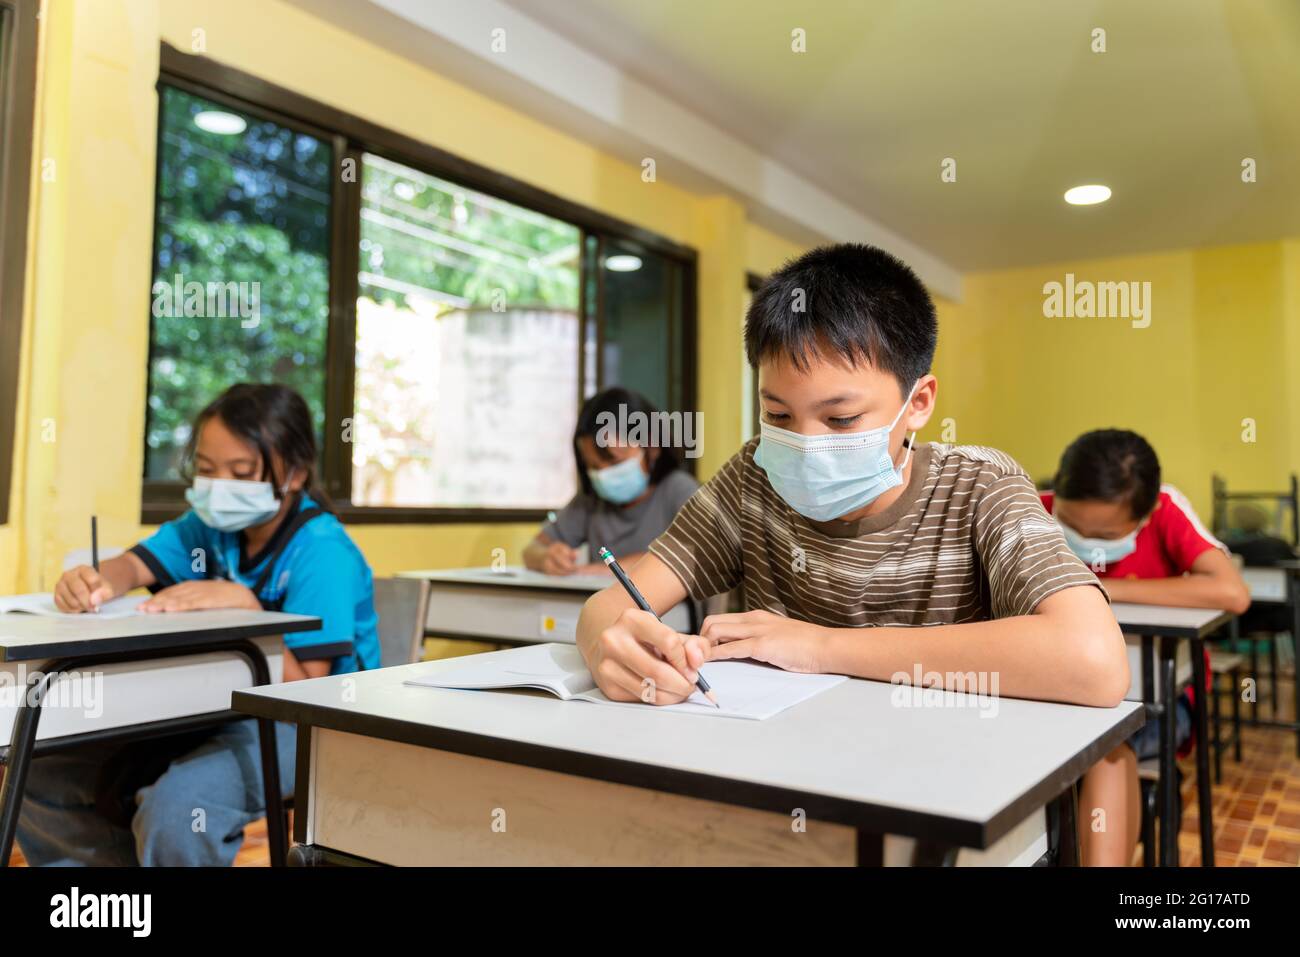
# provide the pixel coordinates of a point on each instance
(667, 663)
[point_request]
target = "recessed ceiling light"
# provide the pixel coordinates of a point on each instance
(1087, 195)
(219, 121)
(623, 263)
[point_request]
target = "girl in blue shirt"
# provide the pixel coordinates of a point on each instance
(258, 535)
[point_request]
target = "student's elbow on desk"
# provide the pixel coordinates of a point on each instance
(1105, 665)
(1095, 657)
(1236, 598)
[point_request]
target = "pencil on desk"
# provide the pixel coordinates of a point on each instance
(94, 545)
(608, 558)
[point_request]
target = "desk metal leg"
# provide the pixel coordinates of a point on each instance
(1272, 673)
(22, 742)
(1148, 670)
(1152, 808)
(1254, 677)
(1294, 579)
(1063, 829)
(1168, 770)
(1216, 724)
(1236, 715)
(273, 795)
(871, 849)
(1205, 803)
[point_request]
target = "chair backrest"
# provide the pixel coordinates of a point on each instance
(401, 604)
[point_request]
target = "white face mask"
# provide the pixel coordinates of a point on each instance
(825, 476)
(230, 505)
(1100, 552)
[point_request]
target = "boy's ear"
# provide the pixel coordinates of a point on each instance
(922, 405)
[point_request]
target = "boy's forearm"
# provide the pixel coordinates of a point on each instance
(1027, 656)
(1185, 591)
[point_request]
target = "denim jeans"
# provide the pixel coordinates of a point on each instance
(1145, 741)
(193, 815)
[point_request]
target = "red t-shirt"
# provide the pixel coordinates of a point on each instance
(1167, 545)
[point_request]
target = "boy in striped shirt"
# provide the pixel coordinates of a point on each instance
(845, 536)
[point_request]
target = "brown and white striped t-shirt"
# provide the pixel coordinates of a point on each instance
(968, 540)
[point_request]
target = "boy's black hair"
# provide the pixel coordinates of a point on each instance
(594, 415)
(274, 420)
(853, 301)
(1111, 465)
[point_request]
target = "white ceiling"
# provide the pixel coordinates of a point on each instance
(851, 134)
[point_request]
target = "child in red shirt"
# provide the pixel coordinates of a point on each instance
(1145, 543)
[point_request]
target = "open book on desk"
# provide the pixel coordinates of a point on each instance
(42, 603)
(744, 689)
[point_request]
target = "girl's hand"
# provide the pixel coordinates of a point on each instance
(560, 559)
(764, 636)
(81, 589)
(198, 595)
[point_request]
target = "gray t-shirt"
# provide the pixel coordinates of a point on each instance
(624, 531)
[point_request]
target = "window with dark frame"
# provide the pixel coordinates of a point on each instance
(443, 321)
(18, 40)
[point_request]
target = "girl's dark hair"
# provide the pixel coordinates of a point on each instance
(1111, 465)
(273, 419)
(596, 414)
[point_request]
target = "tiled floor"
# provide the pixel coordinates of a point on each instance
(1256, 807)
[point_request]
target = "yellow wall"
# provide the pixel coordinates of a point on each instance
(765, 251)
(87, 323)
(1221, 347)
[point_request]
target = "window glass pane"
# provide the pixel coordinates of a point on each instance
(467, 347)
(642, 303)
(241, 266)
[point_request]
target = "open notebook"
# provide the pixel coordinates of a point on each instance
(743, 689)
(42, 603)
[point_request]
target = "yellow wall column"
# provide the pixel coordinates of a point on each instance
(720, 240)
(89, 334)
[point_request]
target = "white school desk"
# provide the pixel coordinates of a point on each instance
(1268, 586)
(515, 605)
(67, 681)
(395, 774)
(1173, 626)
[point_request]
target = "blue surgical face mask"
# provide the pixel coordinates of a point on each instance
(825, 476)
(230, 505)
(1100, 552)
(621, 482)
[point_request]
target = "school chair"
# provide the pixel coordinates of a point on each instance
(402, 605)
